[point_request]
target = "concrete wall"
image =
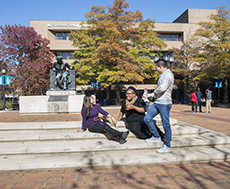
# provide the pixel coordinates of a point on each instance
(41, 105)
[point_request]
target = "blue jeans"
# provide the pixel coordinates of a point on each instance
(147, 106)
(164, 110)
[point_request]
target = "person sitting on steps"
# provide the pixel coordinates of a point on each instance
(90, 112)
(134, 109)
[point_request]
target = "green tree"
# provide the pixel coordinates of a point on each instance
(214, 48)
(109, 48)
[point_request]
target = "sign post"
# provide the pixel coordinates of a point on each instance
(218, 85)
(7, 82)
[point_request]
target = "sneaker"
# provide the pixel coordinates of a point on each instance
(164, 149)
(153, 139)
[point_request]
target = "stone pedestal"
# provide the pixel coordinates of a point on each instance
(54, 102)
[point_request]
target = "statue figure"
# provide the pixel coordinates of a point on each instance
(62, 76)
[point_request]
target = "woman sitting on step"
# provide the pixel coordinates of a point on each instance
(133, 107)
(90, 112)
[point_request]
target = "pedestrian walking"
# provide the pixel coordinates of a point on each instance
(161, 105)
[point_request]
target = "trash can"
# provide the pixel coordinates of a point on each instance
(104, 102)
(185, 100)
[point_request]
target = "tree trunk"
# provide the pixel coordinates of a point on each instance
(108, 97)
(225, 96)
(118, 94)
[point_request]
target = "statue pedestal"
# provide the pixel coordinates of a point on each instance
(54, 102)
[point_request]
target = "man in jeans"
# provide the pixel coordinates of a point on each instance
(199, 96)
(162, 105)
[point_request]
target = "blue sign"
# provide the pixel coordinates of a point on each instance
(92, 85)
(97, 85)
(220, 84)
(1, 79)
(7, 79)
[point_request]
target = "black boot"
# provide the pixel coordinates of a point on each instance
(111, 131)
(121, 136)
(125, 134)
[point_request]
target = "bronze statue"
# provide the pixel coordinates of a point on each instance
(62, 76)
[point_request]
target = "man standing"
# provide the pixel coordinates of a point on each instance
(199, 96)
(208, 100)
(162, 105)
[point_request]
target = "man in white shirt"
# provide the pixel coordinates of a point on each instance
(162, 105)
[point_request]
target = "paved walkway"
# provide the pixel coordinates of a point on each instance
(196, 176)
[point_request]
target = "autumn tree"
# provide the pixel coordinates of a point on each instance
(113, 47)
(214, 48)
(28, 59)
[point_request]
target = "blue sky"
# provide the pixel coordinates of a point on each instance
(22, 11)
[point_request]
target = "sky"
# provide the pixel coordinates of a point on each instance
(22, 11)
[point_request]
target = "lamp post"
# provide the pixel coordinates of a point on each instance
(167, 58)
(3, 71)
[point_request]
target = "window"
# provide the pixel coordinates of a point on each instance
(170, 37)
(62, 36)
(65, 55)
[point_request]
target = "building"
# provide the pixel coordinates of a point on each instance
(181, 29)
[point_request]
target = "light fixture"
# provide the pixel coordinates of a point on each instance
(3, 71)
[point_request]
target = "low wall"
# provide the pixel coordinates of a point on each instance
(44, 104)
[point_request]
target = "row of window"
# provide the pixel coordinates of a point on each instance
(165, 37)
(61, 36)
(65, 54)
(170, 37)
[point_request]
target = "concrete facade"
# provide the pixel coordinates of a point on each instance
(182, 27)
(185, 25)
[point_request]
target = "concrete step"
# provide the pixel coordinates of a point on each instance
(57, 145)
(207, 139)
(59, 133)
(112, 159)
(18, 126)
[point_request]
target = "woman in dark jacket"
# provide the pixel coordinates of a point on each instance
(134, 109)
(90, 113)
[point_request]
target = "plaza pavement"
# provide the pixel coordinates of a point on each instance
(196, 176)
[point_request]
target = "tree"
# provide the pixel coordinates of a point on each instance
(214, 48)
(185, 66)
(28, 59)
(109, 49)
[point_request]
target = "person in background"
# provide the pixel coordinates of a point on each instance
(145, 99)
(95, 100)
(90, 112)
(199, 96)
(134, 109)
(161, 105)
(194, 102)
(208, 100)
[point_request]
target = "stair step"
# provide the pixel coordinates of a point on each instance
(18, 126)
(208, 139)
(58, 145)
(112, 159)
(180, 129)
